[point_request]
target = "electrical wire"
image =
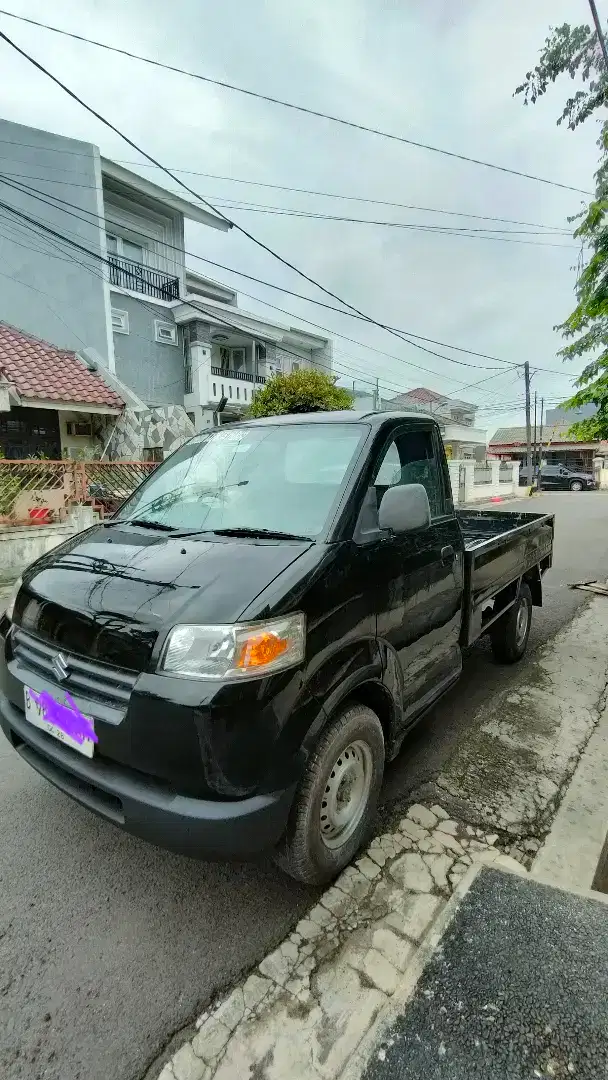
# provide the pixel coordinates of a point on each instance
(348, 371)
(214, 313)
(52, 200)
(244, 232)
(333, 368)
(275, 187)
(285, 104)
(259, 243)
(286, 211)
(210, 310)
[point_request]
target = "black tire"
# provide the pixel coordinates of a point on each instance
(576, 485)
(508, 635)
(303, 852)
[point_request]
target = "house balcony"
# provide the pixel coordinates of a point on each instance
(142, 279)
(244, 376)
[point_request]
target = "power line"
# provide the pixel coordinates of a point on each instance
(275, 187)
(361, 377)
(288, 211)
(286, 104)
(51, 200)
(233, 204)
(438, 230)
(214, 313)
(259, 243)
(347, 370)
(44, 198)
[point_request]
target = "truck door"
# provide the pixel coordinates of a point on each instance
(418, 577)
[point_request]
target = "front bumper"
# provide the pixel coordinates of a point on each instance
(148, 808)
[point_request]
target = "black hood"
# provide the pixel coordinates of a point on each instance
(109, 592)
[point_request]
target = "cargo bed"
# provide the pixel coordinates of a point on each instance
(500, 548)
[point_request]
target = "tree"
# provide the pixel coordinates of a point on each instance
(300, 392)
(576, 51)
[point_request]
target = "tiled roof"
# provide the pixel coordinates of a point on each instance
(423, 396)
(516, 436)
(43, 372)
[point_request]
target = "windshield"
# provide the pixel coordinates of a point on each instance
(278, 478)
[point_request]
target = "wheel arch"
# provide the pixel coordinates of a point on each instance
(369, 691)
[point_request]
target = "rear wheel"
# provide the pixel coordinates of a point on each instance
(576, 485)
(509, 634)
(334, 806)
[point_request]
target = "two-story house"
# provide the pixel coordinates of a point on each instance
(456, 419)
(93, 262)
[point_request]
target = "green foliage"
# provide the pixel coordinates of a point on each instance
(301, 392)
(575, 52)
(10, 487)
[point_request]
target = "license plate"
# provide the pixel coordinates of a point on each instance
(67, 725)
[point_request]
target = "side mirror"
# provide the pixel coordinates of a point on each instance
(405, 508)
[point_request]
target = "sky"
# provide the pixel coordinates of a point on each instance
(436, 71)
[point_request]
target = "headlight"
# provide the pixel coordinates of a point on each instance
(10, 607)
(239, 651)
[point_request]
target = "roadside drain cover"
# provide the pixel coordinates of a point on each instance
(517, 988)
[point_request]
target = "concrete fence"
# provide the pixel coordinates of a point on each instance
(22, 545)
(472, 482)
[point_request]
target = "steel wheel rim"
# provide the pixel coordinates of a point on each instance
(576, 486)
(346, 794)
(521, 625)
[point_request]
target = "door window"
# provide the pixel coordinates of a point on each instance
(411, 458)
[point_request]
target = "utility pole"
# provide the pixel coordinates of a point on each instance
(540, 446)
(377, 397)
(528, 425)
(600, 35)
(534, 454)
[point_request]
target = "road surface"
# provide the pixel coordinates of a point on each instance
(108, 947)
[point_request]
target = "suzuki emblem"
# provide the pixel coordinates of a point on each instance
(60, 667)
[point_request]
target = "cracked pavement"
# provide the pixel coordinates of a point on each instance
(305, 1009)
(109, 948)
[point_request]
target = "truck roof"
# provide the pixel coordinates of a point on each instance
(345, 416)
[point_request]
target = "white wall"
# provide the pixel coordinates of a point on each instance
(481, 492)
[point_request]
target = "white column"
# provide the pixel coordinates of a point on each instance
(200, 354)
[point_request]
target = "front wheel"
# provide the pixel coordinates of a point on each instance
(576, 485)
(334, 806)
(509, 634)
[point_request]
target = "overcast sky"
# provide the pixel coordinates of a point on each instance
(438, 71)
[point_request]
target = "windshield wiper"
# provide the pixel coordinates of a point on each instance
(271, 534)
(143, 522)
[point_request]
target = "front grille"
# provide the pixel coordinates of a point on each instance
(100, 682)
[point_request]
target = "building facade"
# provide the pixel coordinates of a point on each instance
(462, 439)
(93, 263)
(554, 446)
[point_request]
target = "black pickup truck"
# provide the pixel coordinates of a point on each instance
(225, 667)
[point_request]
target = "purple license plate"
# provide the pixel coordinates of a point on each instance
(62, 720)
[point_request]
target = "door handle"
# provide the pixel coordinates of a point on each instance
(447, 553)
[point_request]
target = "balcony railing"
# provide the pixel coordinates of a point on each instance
(142, 279)
(244, 376)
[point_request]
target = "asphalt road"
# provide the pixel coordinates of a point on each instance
(108, 946)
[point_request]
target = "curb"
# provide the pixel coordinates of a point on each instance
(573, 848)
